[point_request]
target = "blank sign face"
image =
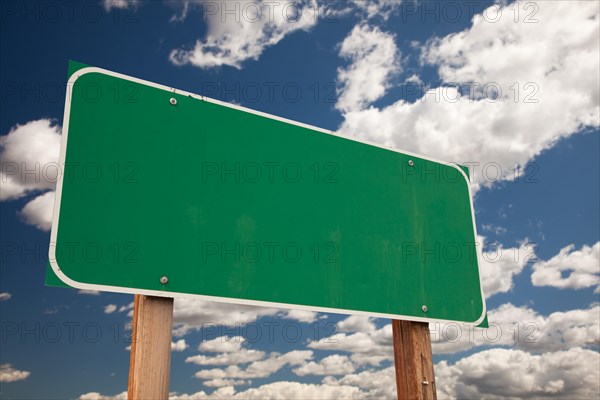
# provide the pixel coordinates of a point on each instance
(172, 194)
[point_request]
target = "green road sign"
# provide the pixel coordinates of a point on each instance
(169, 193)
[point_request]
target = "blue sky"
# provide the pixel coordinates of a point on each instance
(491, 86)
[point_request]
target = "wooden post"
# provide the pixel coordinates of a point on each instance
(150, 360)
(414, 365)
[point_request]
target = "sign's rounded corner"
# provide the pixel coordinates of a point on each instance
(84, 71)
(463, 174)
(60, 274)
(483, 312)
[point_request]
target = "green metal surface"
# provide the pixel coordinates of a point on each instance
(231, 204)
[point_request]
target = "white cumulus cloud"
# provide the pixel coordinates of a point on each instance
(29, 158)
(330, 365)
(38, 212)
(377, 8)
(280, 390)
(179, 345)
(356, 323)
(507, 373)
(89, 292)
(242, 30)
(374, 60)
(223, 344)
(499, 265)
(242, 356)
(109, 309)
(369, 347)
(522, 328)
(582, 269)
(29, 164)
(301, 315)
(98, 396)
(9, 374)
(377, 384)
(258, 369)
(119, 4)
(192, 314)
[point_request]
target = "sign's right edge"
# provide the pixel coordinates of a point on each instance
(482, 320)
